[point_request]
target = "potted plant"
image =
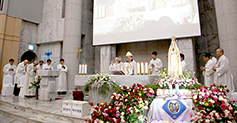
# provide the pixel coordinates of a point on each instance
(100, 87)
(36, 85)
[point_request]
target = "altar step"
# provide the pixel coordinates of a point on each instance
(25, 110)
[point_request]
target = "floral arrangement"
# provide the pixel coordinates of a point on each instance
(36, 83)
(213, 105)
(102, 82)
(127, 105)
(185, 81)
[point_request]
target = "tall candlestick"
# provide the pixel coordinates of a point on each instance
(146, 67)
(85, 68)
(138, 68)
(80, 69)
(142, 68)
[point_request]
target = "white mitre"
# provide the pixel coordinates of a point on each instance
(128, 54)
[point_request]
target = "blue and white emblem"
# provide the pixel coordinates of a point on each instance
(174, 109)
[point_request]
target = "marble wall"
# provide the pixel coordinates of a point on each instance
(226, 13)
(88, 55)
(52, 26)
(187, 48)
(55, 48)
(29, 33)
(142, 50)
(209, 40)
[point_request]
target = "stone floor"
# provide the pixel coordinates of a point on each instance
(15, 109)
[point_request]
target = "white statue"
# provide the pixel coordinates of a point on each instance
(174, 61)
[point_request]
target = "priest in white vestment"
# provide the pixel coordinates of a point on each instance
(116, 65)
(40, 65)
(130, 66)
(223, 71)
(10, 69)
(174, 61)
(48, 65)
(21, 70)
(30, 78)
(62, 83)
(208, 72)
(155, 64)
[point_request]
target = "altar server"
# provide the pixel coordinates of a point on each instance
(155, 64)
(21, 70)
(208, 72)
(40, 65)
(62, 84)
(48, 65)
(222, 71)
(10, 69)
(30, 78)
(183, 63)
(214, 59)
(129, 67)
(116, 65)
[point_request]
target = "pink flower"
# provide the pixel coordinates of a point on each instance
(128, 112)
(195, 118)
(117, 115)
(116, 102)
(149, 95)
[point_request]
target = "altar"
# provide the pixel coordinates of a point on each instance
(128, 80)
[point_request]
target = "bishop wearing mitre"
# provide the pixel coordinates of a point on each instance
(222, 71)
(10, 69)
(129, 67)
(174, 60)
(62, 83)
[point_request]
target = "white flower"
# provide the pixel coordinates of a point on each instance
(126, 100)
(117, 108)
(122, 113)
(195, 97)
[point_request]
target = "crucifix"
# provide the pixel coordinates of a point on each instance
(78, 50)
(48, 54)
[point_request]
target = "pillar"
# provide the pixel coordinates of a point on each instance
(10, 31)
(226, 14)
(72, 38)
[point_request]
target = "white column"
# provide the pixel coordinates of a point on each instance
(105, 58)
(72, 38)
(226, 14)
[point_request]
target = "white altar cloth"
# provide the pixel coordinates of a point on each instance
(80, 80)
(157, 113)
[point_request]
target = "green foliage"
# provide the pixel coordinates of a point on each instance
(102, 82)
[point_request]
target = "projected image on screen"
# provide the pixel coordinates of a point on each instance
(122, 21)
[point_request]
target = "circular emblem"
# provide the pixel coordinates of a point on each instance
(174, 106)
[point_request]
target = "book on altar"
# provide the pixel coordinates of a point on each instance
(117, 72)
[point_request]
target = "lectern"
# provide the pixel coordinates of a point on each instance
(47, 84)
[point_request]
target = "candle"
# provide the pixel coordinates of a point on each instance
(138, 68)
(85, 68)
(146, 68)
(170, 88)
(142, 68)
(80, 69)
(177, 88)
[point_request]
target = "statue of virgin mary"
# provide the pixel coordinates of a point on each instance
(174, 61)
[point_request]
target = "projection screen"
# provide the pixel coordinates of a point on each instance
(123, 21)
